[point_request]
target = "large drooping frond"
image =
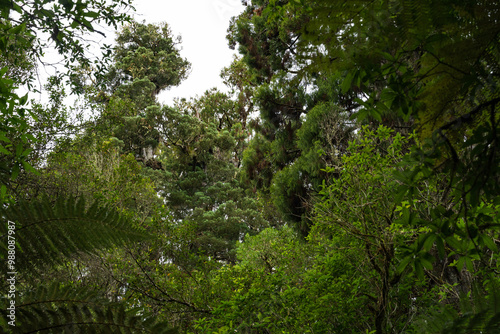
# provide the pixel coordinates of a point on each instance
(476, 314)
(66, 309)
(37, 235)
(45, 234)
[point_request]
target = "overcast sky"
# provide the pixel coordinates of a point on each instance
(202, 25)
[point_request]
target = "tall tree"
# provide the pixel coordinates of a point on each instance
(279, 162)
(148, 52)
(146, 61)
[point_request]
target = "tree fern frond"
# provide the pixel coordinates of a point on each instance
(47, 234)
(59, 309)
(478, 314)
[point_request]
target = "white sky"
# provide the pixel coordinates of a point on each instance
(202, 25)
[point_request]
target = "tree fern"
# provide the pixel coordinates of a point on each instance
(59, 309)
(477, 314)
(46, 234)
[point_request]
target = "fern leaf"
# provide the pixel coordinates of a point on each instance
(58, 309)
(477, 315)
(46, 234)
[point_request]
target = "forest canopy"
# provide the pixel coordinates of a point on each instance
(345, 181)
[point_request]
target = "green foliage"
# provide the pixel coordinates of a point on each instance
(266, 34)
(431, 60)
(14, 148)
(45, 235)
(146, 61)
(354, 205)
(477, 314)
(148, 52)
(64, 22)
(461, 219)
(298, 109)
(322, 139)
(93, 168)
(16, 68)
(270, 291)
(57, 308)
(237, 78)
(374, 159)
(201, 185)
(257, 169)
(269, 248)
(48, 234)
(17, 55)
(22, 25)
